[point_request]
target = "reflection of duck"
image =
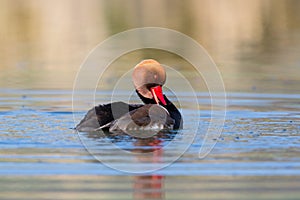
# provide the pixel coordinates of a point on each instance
(158, 113)
(149, 151)
(148, 187)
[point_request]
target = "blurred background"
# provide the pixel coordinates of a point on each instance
(255, 44)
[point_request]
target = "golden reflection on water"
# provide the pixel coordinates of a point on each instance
(116, 187)
(254, 43)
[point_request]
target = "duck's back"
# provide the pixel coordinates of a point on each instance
(104, 114)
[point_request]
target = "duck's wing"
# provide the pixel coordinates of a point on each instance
(139, 114)
(147, 117)
(100, 116)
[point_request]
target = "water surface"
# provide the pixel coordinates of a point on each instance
(259, 150)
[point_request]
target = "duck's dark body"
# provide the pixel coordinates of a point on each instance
(114, 116)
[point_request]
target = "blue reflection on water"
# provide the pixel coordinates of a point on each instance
(261, 137)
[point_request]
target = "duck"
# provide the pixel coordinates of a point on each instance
(157, 112)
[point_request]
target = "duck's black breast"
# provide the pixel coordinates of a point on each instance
(120, 115)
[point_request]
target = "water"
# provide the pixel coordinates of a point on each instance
(258, 151)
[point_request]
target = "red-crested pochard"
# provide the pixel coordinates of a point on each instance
(158, 112)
